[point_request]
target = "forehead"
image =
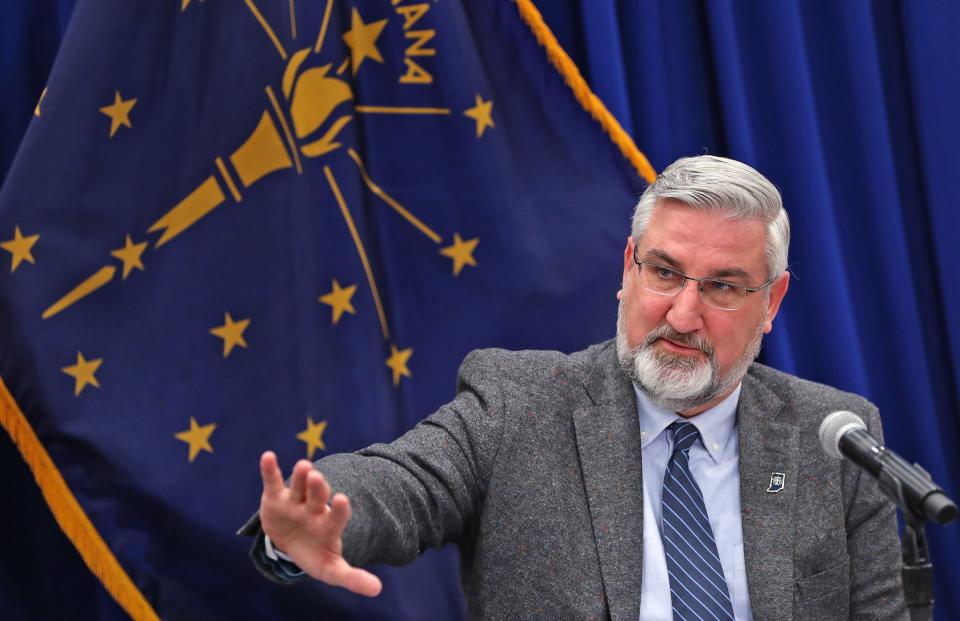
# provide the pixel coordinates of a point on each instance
(704, 241)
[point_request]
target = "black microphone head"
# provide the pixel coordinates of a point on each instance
(939, 508)
(834, 426)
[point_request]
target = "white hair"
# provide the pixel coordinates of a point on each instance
(738, 191)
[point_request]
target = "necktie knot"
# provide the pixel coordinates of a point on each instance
(684, 435)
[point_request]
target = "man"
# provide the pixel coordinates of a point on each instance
(663, 475)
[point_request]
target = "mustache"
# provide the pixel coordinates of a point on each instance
(687, 339)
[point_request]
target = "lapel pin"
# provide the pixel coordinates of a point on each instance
(776, 482)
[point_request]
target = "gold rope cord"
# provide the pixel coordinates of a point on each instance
(590, 102)
(69, 514)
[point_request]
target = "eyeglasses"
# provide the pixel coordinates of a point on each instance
(715, 293)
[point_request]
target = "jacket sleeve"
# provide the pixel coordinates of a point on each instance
(422, 490)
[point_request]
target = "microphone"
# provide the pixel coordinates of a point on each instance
(844, 434)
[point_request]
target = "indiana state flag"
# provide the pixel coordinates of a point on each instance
(281, 224)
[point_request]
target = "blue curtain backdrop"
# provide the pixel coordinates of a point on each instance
(850, 107)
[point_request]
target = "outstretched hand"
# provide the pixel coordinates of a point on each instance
(299, 521)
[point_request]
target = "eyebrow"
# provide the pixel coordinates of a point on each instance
(662, 255)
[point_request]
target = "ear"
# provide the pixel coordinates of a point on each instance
(777, 290)
(627, 261)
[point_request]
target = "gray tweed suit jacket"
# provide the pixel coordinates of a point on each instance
(533, 470)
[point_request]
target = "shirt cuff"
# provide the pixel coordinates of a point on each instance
(280, 558)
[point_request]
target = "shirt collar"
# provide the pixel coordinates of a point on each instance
(715, 425)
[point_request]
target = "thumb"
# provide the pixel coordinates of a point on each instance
(359, 581)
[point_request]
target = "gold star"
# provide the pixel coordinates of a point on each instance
(119, 112)
(461, 252)
(20, 247)
(231, 332)
(198, 437)
(482, 113)
(36, 109)
(83, 373)
(339, 300)
(362, 39)
(130, 255)
(398, 363)
(313, 436)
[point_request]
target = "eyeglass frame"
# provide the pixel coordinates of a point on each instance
(699, 281)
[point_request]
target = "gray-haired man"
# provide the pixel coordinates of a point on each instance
(661, 475)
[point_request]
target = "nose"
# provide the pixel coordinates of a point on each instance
(686, 312)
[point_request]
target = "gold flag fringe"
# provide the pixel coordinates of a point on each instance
(581, 90)
(69, 514)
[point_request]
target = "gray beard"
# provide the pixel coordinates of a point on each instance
(675, 382)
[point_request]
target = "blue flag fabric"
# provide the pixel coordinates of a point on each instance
(258, 225)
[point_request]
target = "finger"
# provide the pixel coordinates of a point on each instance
(359, 581)
(298, 481)
(339, 513)
(271, 475)
(318, 490)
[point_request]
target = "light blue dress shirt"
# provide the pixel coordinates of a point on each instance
(714, 461)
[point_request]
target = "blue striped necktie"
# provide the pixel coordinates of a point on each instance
(697, 586)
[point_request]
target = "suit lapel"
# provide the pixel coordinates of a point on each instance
(608, 441)
(768, 447)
